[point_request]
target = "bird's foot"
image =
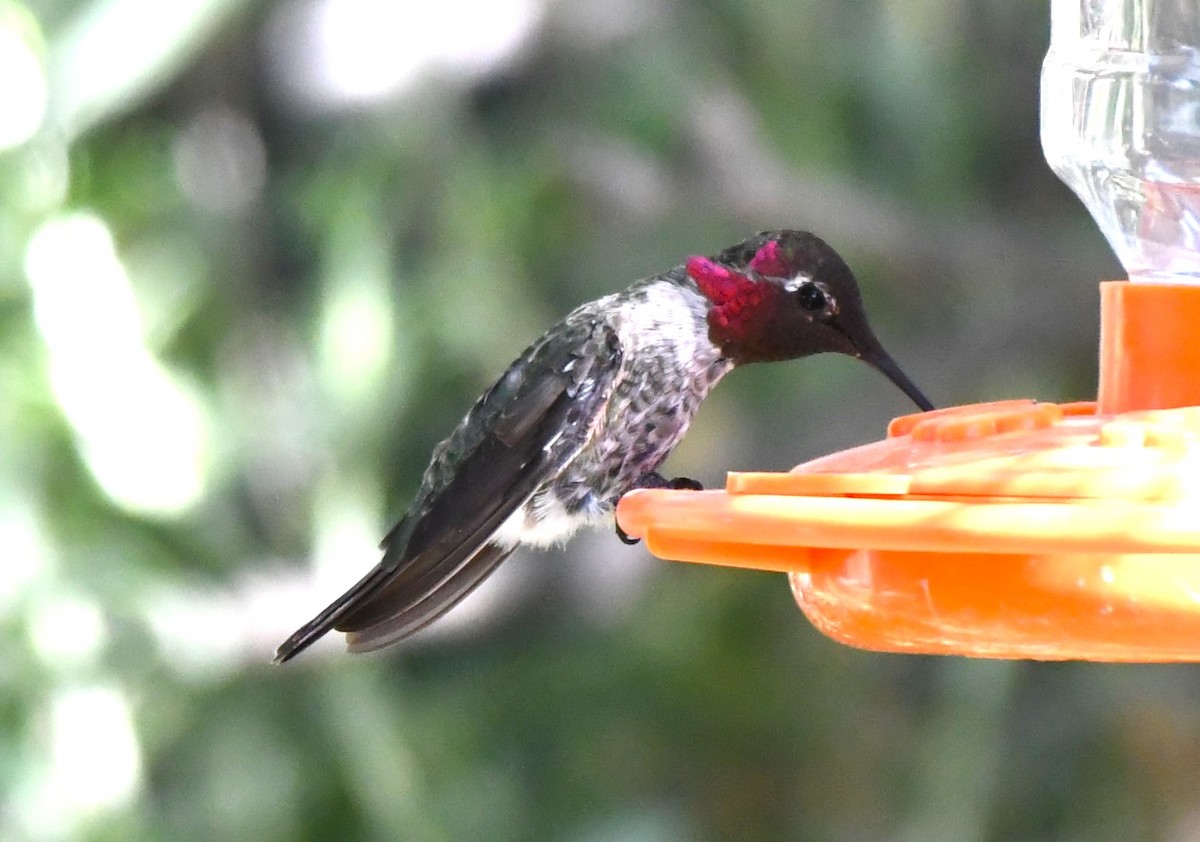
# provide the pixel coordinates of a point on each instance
(653, 479)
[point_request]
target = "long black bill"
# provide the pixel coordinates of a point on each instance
(882, 362)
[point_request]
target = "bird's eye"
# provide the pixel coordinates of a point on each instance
(811, 297)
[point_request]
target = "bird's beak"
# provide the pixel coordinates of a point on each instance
(880, 360)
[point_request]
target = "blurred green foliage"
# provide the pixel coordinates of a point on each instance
(237, 312)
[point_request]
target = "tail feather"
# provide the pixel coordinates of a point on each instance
(431, 606)
(318, 626)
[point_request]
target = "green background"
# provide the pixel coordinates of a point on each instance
(236, 313)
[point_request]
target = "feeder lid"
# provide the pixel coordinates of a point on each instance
(1008, 476)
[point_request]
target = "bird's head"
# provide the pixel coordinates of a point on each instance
(781, 295)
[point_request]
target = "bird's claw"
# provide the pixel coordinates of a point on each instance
(625, 537)
(657, 480)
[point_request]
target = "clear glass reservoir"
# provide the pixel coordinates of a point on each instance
(1121, 126)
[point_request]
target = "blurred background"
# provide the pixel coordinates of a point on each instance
(257, 258)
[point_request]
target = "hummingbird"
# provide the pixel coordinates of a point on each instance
(589, 412)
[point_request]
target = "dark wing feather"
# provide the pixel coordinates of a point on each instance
(522, 432)
(453, 590)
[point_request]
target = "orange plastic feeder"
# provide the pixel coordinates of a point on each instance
(1013, 529)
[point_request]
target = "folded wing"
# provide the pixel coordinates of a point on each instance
(520, 434)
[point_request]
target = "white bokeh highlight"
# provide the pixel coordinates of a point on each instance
(141, 431)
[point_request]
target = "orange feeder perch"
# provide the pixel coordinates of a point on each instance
(1013, 529)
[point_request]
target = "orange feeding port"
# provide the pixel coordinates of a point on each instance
(1013, 529)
